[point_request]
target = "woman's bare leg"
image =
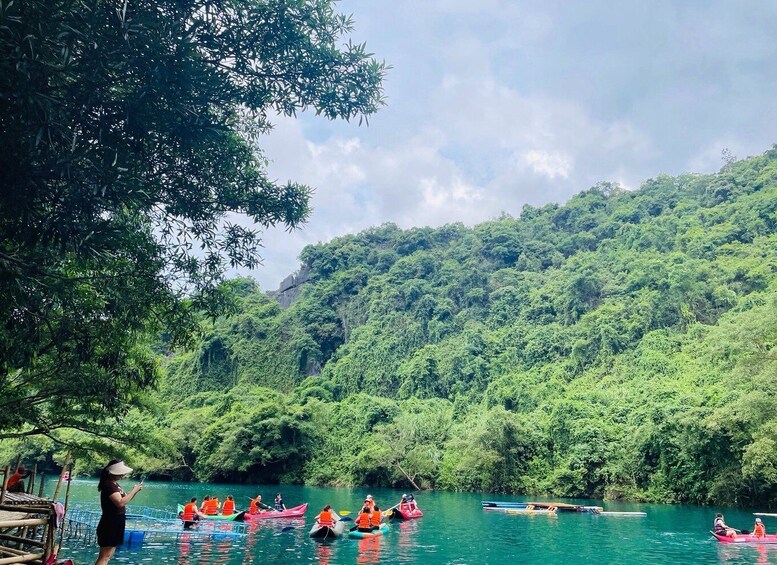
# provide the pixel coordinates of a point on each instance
(105, 555)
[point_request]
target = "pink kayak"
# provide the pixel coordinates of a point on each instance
(746, 538)
(403, 512)
(296, 512)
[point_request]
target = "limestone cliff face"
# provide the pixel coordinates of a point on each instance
(291, 287)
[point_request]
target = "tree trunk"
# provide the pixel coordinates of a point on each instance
(409, 478)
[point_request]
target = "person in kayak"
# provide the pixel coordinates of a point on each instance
(408, 501)
(369, 502)
(279, 505)
(229, 506)
(257, 506)
(375, 518)
(190, 514)
(364, 520)
(719, 527)
(210, 505)
(326, 517)
(759, 530)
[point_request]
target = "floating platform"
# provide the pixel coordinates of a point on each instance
(556, 507)
(144, 524)
(559, 506)
(529, 511)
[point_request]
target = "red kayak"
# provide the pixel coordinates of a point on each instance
(746, 538)
(296, 512)
(404, 512)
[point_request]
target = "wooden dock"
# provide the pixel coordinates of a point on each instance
(28, 524)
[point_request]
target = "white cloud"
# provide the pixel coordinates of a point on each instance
(501, 103)
(441, 196)
(710, 157)
(531, 147)
(551, 165)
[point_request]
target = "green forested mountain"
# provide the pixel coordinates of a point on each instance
(619, 346)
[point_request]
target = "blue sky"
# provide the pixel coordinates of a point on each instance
(495, 104)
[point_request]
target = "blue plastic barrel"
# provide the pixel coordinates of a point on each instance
(133, 537)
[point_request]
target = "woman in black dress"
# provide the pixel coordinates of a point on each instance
(110, 530)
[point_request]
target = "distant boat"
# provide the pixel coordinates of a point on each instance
(559, 506)
(553, 507)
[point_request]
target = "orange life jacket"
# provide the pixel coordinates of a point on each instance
(228, 508)
(15, 478)
(363, 520)
(253, 508)
(759, 530)
(325, 518)
(212, 507)
(189, 512)
(375, 517)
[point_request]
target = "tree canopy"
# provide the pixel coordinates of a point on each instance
(131, 136)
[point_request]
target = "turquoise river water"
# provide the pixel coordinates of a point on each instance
(453, 530)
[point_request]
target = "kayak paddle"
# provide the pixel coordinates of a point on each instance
(387, 512)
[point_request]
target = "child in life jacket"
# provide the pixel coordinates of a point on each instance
(364, 520)
(759, 530)
(375, 518)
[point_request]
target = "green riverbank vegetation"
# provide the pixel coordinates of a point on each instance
(619, 346)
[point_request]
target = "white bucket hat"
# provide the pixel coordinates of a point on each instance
(119, 469)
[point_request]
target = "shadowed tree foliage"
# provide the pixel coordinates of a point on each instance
(130, 135)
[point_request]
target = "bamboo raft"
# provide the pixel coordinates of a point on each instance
(28, 524)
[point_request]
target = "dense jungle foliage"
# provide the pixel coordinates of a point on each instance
(622, 345)
(131, 134)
